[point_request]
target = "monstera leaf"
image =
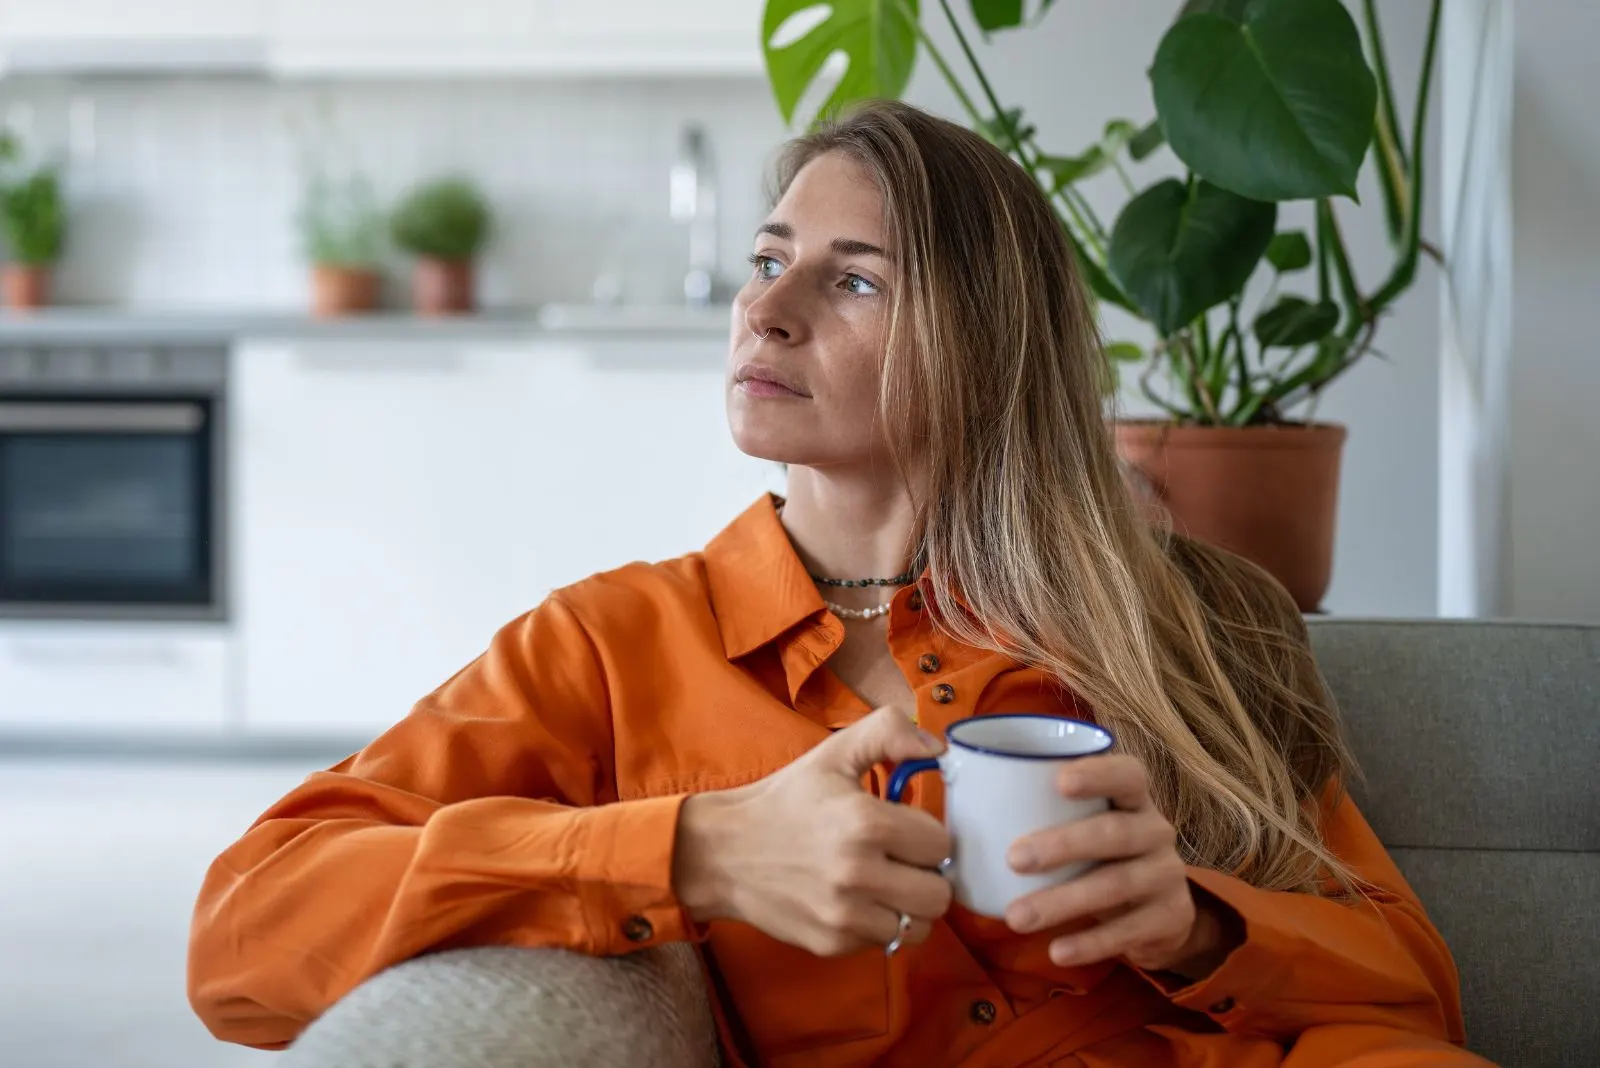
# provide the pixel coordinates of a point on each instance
(1177, 250)
(877, 37)
(1271, 99)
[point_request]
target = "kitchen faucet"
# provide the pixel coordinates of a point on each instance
(694, 201)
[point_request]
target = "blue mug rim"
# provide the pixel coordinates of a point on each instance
(1011, 754)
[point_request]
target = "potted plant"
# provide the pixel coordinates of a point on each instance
(444, 223)
(341, 228)
(1262, 102)
(34, 222)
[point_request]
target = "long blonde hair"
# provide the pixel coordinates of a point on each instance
(992, 386)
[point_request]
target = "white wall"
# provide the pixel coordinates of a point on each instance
(182, 193)
(1555, 382)
(1085, 64)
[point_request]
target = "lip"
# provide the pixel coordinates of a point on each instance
(764, 381)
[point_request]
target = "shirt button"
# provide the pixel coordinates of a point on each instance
(914, 602)
(944, 693)
(927, 663)
(637, 929)
(984, 1012)
(1225, 1005)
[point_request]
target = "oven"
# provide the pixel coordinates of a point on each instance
(112, 482)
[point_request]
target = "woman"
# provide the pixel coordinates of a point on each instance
(679, 751)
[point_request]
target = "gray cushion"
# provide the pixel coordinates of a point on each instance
(501, 1007)
(1480, 742)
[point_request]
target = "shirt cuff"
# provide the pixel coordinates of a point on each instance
(626, 879)
(1252, 965)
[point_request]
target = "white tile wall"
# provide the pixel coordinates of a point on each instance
(182, 193)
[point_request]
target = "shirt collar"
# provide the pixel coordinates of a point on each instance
(759, 586)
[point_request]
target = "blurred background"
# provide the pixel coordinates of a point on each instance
(340, 332)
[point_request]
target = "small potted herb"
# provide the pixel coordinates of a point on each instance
(341, 227)
(34, 223)
(444, 223)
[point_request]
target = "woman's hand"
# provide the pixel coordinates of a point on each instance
(1140, 893)
(811, 859)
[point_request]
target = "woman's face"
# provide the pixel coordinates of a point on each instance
(805, 391)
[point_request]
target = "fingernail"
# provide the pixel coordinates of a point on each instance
(1021, 918)
(930, 742)
(1063, 951)
(1021, 858)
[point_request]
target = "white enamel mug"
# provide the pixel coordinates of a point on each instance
(999, 776)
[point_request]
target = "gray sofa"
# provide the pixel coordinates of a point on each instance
(1481, 747)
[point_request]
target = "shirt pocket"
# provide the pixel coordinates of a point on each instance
(788, 1001)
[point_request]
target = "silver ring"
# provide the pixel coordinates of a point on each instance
(758, 337)
(899, 936)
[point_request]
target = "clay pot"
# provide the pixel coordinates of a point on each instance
(337, 291)
(25, 285)
(443, 287)
(1268, 493)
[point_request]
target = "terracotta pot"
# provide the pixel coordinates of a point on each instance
(26, 285)
(443, 287)
(1268, 493)
(339, 291)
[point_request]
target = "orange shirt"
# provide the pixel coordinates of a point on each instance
(533, 799)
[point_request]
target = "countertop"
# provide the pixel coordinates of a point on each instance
(122, 325)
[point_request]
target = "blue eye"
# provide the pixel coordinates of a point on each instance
(766, 267)
(868, 288)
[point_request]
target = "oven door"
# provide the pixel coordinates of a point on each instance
(108, 507)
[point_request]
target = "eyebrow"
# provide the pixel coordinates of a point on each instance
(844, 246)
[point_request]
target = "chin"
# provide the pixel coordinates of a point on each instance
(769, 436)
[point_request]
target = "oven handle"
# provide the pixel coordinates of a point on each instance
(56, 417)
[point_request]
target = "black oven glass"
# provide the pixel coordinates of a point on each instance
(106, 504)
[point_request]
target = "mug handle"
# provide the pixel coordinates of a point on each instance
(902, 776)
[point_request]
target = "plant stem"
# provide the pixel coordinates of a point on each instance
(1328, 234)
(1391, 152)
(1088, 213)
(939, 61)
(1155, 398)
(1406, 269)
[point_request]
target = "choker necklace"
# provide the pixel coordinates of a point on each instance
(898, 580)
(857, 613)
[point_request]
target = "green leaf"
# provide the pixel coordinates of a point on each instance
(1146, 141)
(1117, 134)
(1232, 10)
(1295, 321)
(1006, 129)
(878, 37)
(1124, 352)
(1064, 170)
(1289, 251)
(1177, 251)
(1276, 104)
(993, 15)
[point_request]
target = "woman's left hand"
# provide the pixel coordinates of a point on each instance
(1140, 892)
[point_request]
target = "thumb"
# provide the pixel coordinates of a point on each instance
(886, 735)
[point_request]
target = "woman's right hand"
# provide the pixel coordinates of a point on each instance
(808, 857)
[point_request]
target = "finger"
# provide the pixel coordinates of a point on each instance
(1119, 777)
(1107, 836)
(1106, 888)
(888, 735)
(1152, 932)
(886, 925)
(914, 837)
(901, 888)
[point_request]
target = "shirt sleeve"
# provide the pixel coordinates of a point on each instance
(488, 815)
(1307, 961)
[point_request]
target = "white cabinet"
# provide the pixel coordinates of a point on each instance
(58, 19)
(398, 502)
(515, 37)
(61, 677)
(372, 486)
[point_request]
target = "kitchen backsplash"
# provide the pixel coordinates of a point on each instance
(182, 193)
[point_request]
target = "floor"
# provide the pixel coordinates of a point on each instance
(100, 860)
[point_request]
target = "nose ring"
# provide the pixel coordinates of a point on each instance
(758, 337)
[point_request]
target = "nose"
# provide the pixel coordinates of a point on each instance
(773, 313)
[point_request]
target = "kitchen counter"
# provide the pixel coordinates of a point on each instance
(112, 325)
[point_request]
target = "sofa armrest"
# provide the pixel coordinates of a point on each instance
(504, 1007)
